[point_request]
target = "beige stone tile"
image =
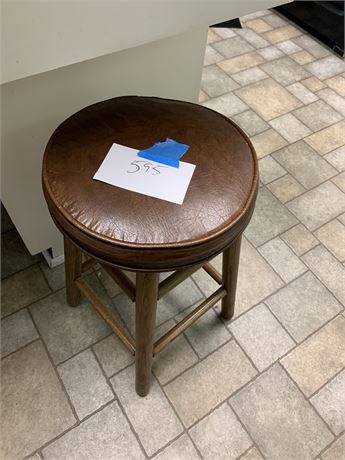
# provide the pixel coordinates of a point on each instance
(282, 259)
(303, 306)
(282, 33)
(275, 20)
(215, 82)
(340, 181)
(246, 77)
(261, 336)
(337, 158)
(270, 169)
(328, 269)
(333, 99)
(288, 47)
(258, 14)
(34, 406)
(337, 83)
(302, 57)
(318, 206)
(22, 289)
(224, 32)
(180, 449)
(336, 451)
(211, 435)
(267, 142)
(286, 188)
(279, 419)
(285, 71)
(212, 36)
(256, 40)
(290, 128)
(302, 93)
(194, 393)
(332, 235)
(319, 358)
(326, 67)
(317, 115)
(259, 25)
(315, 48)
(250, 122)
(228, 104)
(105, 435)
(152, 416)
(238, 63)
(212, 56)
(202, 96)
(328, 139)
(252, 454)
(17, 330)
(313, 83)
(232, 47)
(330, 403)
(112, 355)
(85, 383)
(270, 53)
(268, 98)
(270, 218)
(304, 164)
(300, 239)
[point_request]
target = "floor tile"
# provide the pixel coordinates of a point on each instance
(212, 56)
(289, 47)
(251, 122)
(318, 206)
(253, 454)
(212, 36)
(313, 84)
(275, 20)
(290, 128)
(317, 115)
(285, 71)
(34, 407)
(330, 403)
(228, 104)
(224, 32)
(326, 67)
(302, 93)
(282, 259)
(105, 435)
(299, 239)
(249, 76)
(337, 83)
(176, 358)
(328, 139)
(17, 330)
(14, 255)
(35, 457)
(215, 82)
(85, 383)
(281, 34)
(332, 235)
(337, 158)
(180, 449)
(336, 451)
(268, 98)
(108, 283)
(328, 269)
(255, 15)
(339, 180)
(266, 407)
(152, 416)
(232, 47)
(270, 218)
(21, 289)
(112, 355)
(270, 169)
(302, 57)
(317, 49)
(238, 63)
(286, 188)
(194, 393)
(67, 330)
(304, 164)
(333, 99)
(319, 358)
(303, 306)
(55, 276)
(212, 435)
(258, 25)
(270, 53)
(257, 41)
(261, 336)
(267, 142)
(202, 97)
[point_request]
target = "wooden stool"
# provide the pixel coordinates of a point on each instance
(121, 229)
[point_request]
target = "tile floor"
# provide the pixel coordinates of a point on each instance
(271, 383)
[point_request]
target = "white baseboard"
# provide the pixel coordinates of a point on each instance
(53, 261)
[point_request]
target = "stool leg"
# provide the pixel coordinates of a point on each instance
(73, 271)
(145, 321)
(231, 258)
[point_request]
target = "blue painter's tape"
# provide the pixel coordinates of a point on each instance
(168, 152)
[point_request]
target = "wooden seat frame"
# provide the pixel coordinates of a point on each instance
(146, 293)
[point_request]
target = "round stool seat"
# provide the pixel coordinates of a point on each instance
(135, 231)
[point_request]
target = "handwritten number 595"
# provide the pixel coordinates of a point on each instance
(139, 164)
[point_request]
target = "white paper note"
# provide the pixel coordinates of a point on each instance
(123, 168)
